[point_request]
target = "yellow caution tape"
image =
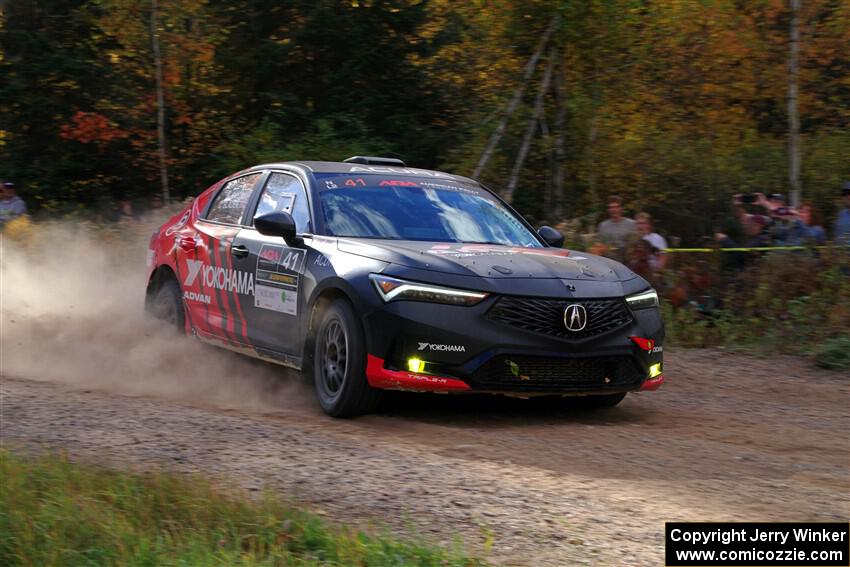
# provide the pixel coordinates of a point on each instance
(753, 249)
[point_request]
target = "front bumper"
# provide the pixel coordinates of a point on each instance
(443, 348)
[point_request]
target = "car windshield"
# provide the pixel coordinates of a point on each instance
(413, 208)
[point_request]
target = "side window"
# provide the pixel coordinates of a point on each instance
(231, 200)
(286, 193)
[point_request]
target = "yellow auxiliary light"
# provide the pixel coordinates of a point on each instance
(415, 365)
(655, 370)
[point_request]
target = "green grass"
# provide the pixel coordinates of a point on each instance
(834, 354)
(54, 512)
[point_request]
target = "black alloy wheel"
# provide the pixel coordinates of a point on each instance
(339, 364)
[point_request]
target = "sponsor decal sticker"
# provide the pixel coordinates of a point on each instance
(216, 277)
(442, 348)
(194, 268)
(178, 225)
(446, 187)
(473, 250)
(276, 299)
(270, 256)
(400, 171)
(278, 278)
(285, 279)
(194, 296)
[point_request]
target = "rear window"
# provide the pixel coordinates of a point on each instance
(230, 202)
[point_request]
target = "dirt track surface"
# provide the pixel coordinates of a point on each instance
(729, 437)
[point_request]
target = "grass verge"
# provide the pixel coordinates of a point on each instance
(54, 512)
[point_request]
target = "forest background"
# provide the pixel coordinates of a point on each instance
(675, 105)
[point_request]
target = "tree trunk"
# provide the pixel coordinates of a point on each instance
(537, 113)
(590, 152)
(514, 102)
(793, 117)
(550, 165)
(160, 104)
(560, 156)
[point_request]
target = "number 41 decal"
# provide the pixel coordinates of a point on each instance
(291, 260)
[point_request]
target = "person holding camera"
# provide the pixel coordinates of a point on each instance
(754, 227)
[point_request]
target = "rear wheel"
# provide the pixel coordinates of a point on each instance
(167, 305)
(339, 364)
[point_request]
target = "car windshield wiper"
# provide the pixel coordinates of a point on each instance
(485, 242)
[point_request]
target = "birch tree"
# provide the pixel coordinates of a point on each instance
(793, 117)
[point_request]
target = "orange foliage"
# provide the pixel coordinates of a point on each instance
(86, 127)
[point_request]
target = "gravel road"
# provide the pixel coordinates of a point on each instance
(729, 437)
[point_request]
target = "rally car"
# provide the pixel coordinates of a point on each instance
(370, 275)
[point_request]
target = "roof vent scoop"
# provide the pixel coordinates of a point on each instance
(371, 160)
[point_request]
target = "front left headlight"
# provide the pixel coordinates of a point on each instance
(643, 300)
(394, 289)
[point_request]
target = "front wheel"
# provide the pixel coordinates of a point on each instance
(339, 364)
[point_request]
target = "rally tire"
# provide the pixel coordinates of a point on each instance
(339, 364)
(167, 305)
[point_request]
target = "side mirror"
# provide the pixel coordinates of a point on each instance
(551, 236)
(278, 223)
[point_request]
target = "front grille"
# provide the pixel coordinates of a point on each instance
(545, 374)
(546, 316)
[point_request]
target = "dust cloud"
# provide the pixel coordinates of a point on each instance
(71, 311)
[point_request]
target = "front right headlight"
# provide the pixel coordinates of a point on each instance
(643, 300)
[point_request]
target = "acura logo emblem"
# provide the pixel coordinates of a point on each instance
(575, 317)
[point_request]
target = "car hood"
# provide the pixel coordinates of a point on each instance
(490, 261)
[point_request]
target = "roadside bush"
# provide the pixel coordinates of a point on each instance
(792, 302)
(834, 354)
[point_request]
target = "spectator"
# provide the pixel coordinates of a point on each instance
(125, 212)
(11, 206)
(617, 232)
(755, 231)
(810, 221)
(729, 261)
(640, 261)
(786, 227)
(658, 258)
(755, 226)
(842, 223)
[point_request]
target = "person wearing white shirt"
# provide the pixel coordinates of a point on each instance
(658, 259)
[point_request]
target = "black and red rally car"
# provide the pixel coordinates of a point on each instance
(372, 275)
